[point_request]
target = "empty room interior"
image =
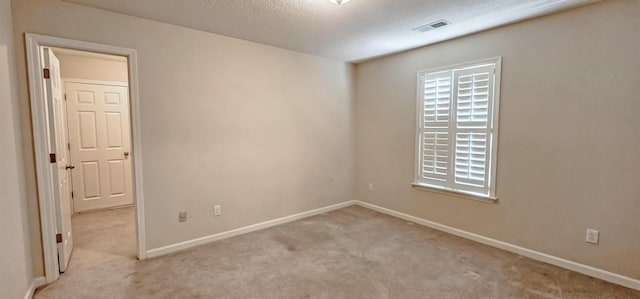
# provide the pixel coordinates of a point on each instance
(320, 149)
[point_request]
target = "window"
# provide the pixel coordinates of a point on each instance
(457, 127)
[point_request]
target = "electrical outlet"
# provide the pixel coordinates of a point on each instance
(592, 236)
(370, 187)
(182, 217)
(217, 210)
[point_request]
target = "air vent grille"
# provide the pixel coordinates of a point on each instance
(432, 26)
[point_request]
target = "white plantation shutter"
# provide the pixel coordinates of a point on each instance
(473, 87)
(471, 159)
(436, 120)
(437, 100)
(473, 98)
(456, 128)
(435, 165)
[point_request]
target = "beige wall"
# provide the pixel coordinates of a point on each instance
(264, 132)
(90, 68)
(569, 141)
(16, 273)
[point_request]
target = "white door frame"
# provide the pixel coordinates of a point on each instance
(46, 196)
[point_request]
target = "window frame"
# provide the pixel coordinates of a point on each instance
(493, 123)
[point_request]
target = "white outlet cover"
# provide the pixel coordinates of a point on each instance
(592, 236)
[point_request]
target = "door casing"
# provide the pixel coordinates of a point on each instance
(46, 196)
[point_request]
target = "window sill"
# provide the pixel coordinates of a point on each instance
(484, 199)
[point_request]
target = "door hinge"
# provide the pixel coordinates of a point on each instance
(52, 158)
(71, 194)
(65, 96)
(69, 145)
(58, 238)
(46, 73)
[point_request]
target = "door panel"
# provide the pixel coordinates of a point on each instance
(112, 98)
(86, 97)
(99, 133)
(87, 128)
(114, 130)
(91, 180)
(59, 139)
(116, 177)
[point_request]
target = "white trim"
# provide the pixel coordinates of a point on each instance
(244, 230)
(35, 283)
(136, 136)
(34, 43)
(456, 193)
(41, 149)
(460, 66)
(493, 172)
(535, 255)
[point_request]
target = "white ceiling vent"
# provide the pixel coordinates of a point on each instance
(432, 26)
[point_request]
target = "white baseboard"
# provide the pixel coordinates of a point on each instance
(35, 283)
(539, 256)
(243, 230)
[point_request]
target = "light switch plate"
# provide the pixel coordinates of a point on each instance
(593, 236)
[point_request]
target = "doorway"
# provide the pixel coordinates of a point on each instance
(96, 93)
(98, 138)
(87, 147)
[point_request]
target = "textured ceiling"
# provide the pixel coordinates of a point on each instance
(356, 31)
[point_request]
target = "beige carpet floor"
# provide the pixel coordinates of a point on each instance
(349, 253)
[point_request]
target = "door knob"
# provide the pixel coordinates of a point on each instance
(126, 154)
(70, 167)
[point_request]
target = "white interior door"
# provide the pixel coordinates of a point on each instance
(59, 143)
(99, 133)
